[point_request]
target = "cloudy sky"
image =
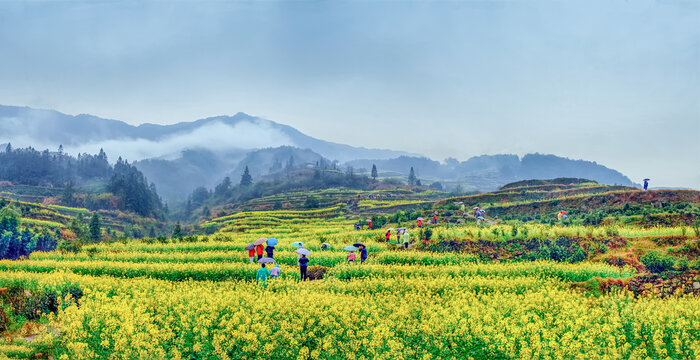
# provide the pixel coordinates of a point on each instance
(617, 82)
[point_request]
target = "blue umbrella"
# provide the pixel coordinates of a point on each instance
(304, 252)
(350, 248)
(250, 246)
(271, 242)
(266, 260)
(298, 244)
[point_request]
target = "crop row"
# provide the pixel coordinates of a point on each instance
(323, 258)
(233, 271)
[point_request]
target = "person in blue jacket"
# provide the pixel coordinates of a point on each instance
(363, 254)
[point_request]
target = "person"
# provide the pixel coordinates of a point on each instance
(646, 184)
(369, 223)
(357, 226)
(363, 254)
(262, 275)
(303, 263)
(270, 250)
(251, 254)
(398, 237)
(351, 257)
(324, 247)
(275, 272)
(406, 240)
(259, 250)
(462, 208)
(420, 223)
(388, 236)
(435, 219)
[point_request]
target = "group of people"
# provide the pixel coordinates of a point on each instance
(302, 260)
(401, 234)
(363, 255)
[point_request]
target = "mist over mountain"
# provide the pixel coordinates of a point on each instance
(25, 126)
(181, 157)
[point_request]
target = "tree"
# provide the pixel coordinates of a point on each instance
(78, 227)
(374, 172)
(224, 188)
(177, 231)
(95, 230)
(68, 194)
(418, 183)
(412, 177)
(436, 186)
(246, 179)
(8, 148)
(199, 196)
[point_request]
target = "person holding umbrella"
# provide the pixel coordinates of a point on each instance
(369, 224)
(303, 263)
(420, 221)
(351, 254)
(262, 275)
(299, 245)
(363, 251)
(325, 246)
(406, 239)
(270, 248)
(646, 184)
(251, 252)
(259, 250)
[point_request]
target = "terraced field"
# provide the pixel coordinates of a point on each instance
(483, 292)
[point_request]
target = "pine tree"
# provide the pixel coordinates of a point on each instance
(374, 172)
(8, 148)
(95, 230)
(177, 232)
(412, 177)
(246, 179)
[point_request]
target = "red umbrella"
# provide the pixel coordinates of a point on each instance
(563, 212)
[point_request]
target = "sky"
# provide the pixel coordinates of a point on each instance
(616, 82)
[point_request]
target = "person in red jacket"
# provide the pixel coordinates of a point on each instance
(434, 219)
(388, 236)
(370, 224)
(420, 223)
(259, 250)
(251, 254)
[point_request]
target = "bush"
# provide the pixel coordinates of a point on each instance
(578, 255)
(657, 262)
(682, 264)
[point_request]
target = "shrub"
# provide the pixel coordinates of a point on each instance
(428, 234)
(657, 262)
(682, 264)
(578, 255)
